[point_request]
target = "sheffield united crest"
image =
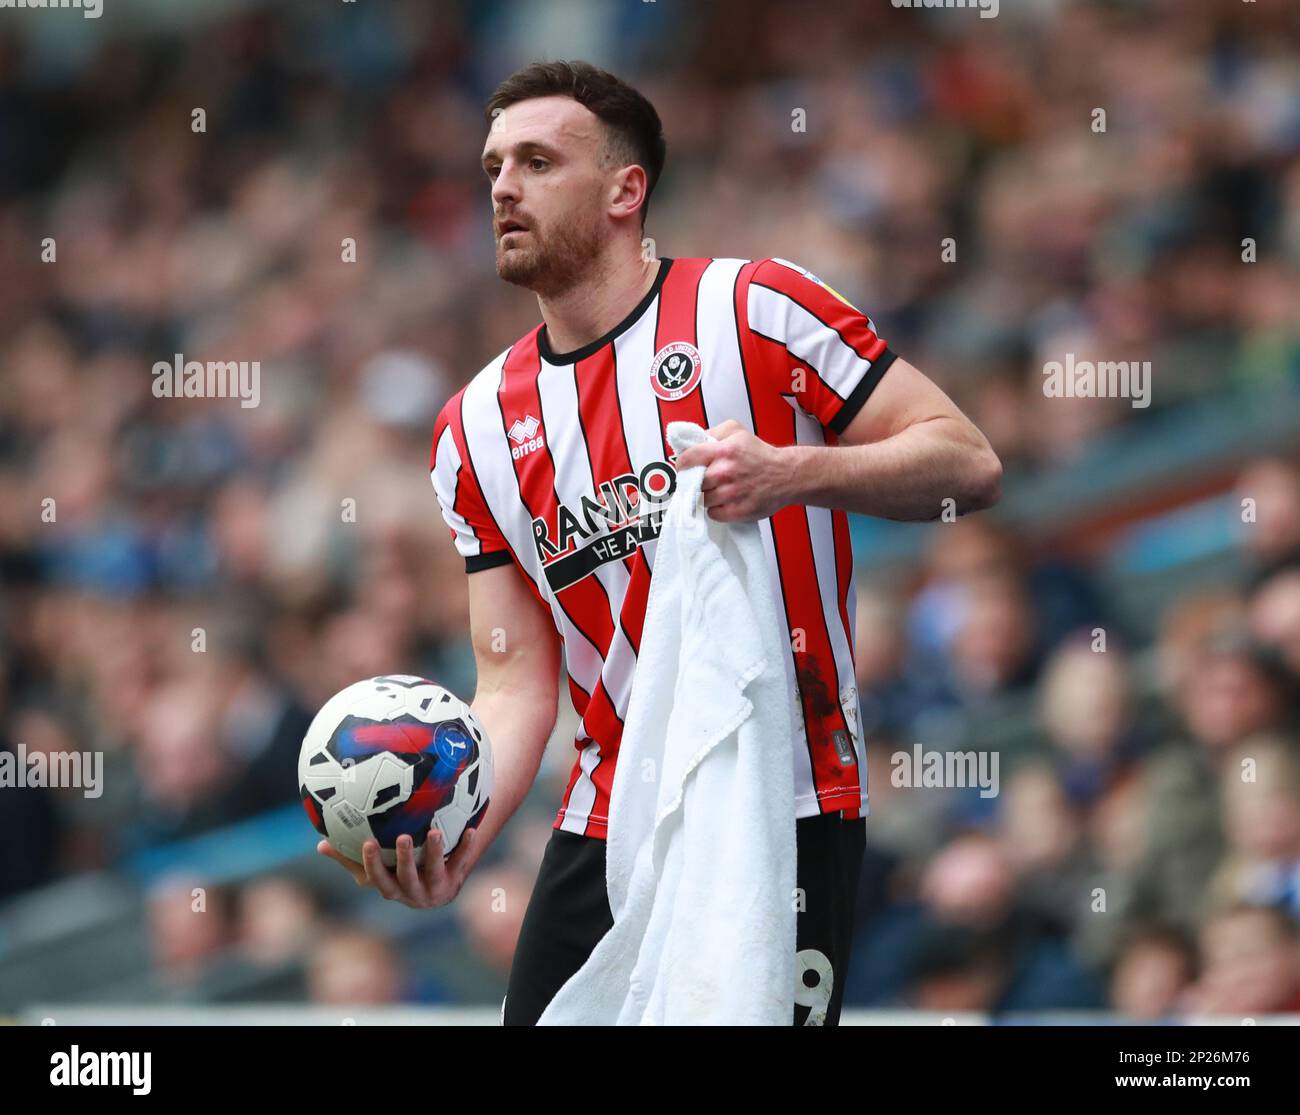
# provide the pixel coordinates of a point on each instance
(675, 371)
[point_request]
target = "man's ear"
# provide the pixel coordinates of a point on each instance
(629, 188)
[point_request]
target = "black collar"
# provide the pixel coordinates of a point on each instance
(544, 344)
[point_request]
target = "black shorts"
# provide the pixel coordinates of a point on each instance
(569, 913)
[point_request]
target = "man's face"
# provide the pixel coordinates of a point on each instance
(550, 177)
(1250, 965)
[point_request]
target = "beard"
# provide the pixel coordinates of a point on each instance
(550, 262)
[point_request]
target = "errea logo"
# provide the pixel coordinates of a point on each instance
(521, 433)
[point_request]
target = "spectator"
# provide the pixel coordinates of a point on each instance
(354, 968)
(1231, 694)
(276, 921)
(1250, 964)
(1261, 790)
(188, 927)
(1271, 536)
(1085, 707)
(1154, 970)
(1275, 615)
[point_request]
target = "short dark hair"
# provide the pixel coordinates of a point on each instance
(631, 120)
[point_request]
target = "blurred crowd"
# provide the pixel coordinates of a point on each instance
(1143, 852)
(185, 580)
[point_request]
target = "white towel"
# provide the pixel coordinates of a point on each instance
(701, 843)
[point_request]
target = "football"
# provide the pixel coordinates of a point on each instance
(393, 755)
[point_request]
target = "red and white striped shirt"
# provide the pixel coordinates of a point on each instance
(554, 461)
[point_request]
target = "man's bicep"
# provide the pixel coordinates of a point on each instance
(464, 508)
(516, 646)
(902, 398)
(823, 352)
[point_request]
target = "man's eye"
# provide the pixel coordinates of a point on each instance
(537, 164)
(493, 171)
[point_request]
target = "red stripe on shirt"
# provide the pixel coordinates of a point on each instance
(814, 658)
(678, 303)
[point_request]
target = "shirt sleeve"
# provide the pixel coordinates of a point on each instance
(473, 530)
(814, 329)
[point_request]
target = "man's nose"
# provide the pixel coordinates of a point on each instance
(506, 186)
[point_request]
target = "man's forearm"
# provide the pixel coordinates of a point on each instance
(517, 735)
(906, 477)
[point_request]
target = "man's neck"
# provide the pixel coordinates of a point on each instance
(591, 308)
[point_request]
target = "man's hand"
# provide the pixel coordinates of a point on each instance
(435, 883)
(745, 478)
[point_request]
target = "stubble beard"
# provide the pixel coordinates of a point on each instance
(553, 263)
